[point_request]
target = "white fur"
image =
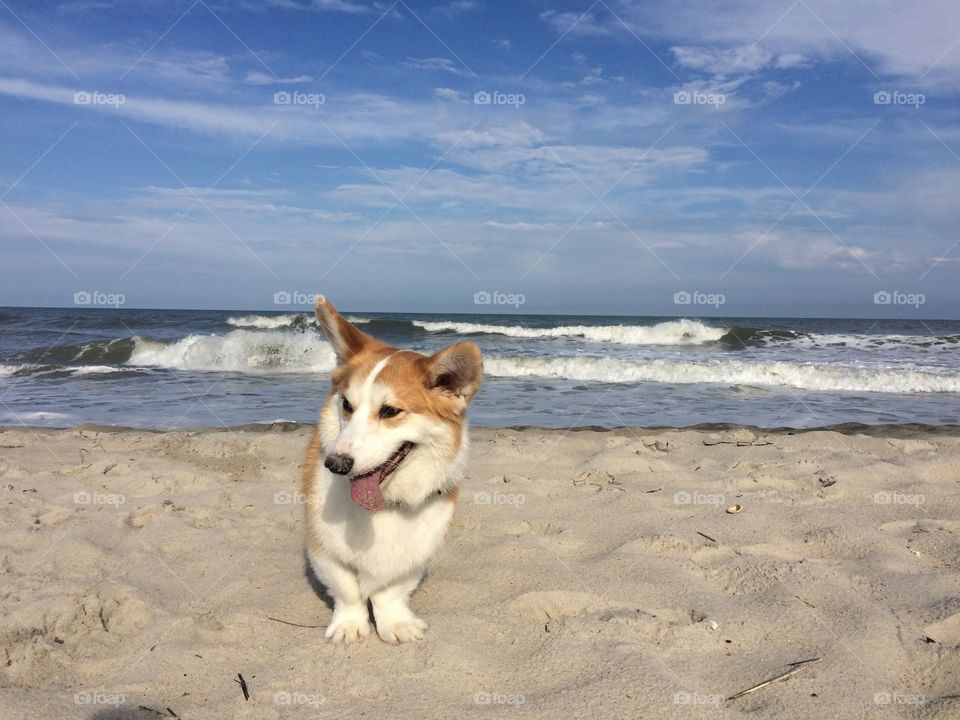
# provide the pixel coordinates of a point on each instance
(381, 556)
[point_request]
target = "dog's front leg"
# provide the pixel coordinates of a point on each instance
(396, 622)
(351, 620)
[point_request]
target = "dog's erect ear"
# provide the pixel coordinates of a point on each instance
(346, 340)
(456, 371)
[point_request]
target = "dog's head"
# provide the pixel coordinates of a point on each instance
(394, 425)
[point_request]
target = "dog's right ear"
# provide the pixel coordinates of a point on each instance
(346, 340)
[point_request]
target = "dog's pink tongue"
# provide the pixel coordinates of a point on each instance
(365, 491)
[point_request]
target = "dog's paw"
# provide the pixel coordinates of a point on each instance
(409, 629)
(347, 628)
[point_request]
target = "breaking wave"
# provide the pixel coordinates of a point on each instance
(673, 332)
(694, 332)
(777, 374)
(297, 321)
(742, 337)
(238, 351)
(267, 322)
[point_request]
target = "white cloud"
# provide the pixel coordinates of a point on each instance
(556, 181)
(116, 65)
(253, 202)
(338, 6)
(449, 94)
(455, 7)
(577, 23)
(525, 226)
(808, 251)
(342, 6)
(360, 117)
(732, 61)
(78, 7)
(256, 77)
(435, 63)
(890, 37)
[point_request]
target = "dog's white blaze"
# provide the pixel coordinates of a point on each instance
(360, 438)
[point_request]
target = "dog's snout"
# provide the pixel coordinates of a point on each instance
(339, 464)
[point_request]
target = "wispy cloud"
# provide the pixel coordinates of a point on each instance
(336, 6)
(576, 24)
(435, 63)
(256, 77)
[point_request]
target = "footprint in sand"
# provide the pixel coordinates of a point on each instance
(561, 604)
(535, 528)
(749, 576)
(935, 542)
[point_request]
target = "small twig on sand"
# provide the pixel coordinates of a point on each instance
(168, 713)
(706, 536)
(287, 622)
(795, 667)
(243, 686)
(805, 602)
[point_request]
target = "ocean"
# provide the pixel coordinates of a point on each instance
(207, 368)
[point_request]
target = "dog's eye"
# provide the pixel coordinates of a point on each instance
(388, 411)
(347, 407)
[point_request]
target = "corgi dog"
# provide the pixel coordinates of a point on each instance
(381, 472)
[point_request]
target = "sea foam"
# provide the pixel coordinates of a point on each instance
(673, 332)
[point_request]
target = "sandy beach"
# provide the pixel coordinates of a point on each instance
(587, 574)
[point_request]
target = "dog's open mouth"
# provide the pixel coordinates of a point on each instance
(365, 488)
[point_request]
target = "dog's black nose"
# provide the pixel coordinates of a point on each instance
(339, 464)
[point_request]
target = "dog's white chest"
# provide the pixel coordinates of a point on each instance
(378, 544)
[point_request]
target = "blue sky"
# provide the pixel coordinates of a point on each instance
(794, 158)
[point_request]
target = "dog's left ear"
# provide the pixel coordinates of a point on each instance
(456, 371)
(346, 340)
